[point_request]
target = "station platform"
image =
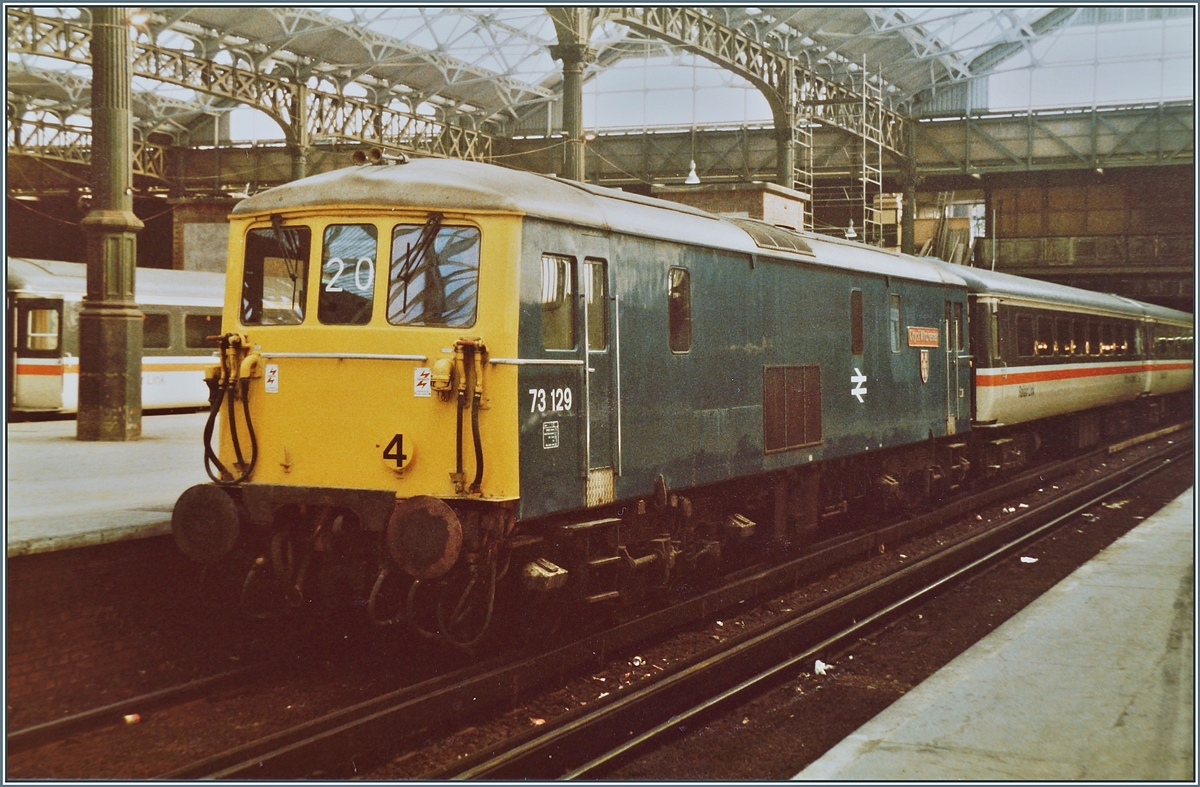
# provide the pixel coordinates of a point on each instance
(1093, 681)
(64, 493)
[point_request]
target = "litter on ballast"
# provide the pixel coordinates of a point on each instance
(133, 718)
(1116, 505)
(1029, 560)
(1022, 505)
(821, 667)
(637, 661)
(537, 722)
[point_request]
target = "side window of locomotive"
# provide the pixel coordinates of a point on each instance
(1025, 342)
(434, 276)
(41, 329)
(856, 322)
(198, 328)
(595, 292)
(156, 331)
(275, 276)
(347, 274)
(959, 333)
(893, 320)
(679, 309)
(558, 302)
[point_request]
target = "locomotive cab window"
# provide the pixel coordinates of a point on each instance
(347, 275)
(558, 302)
(679, 309)
(434, 277)
(275, 275)
(856, 322)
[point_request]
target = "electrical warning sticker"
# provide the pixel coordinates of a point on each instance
(422, 381)
(271, 378)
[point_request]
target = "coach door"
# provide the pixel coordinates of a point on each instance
(600, 392)
(956, 400)
(38, 379)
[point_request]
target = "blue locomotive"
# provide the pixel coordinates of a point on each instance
(444, 377)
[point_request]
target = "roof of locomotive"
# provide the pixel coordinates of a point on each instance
(453, 184)
(1005, 285)
(50, 278)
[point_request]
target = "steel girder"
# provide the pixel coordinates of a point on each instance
(304, 113)
(1101, 137)
(48, 138)
(788, 86)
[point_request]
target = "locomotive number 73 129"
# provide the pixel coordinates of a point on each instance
(555, 400)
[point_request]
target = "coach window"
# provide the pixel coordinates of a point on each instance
(1025, 335)
(1079, 337)
(156, 331)
(41, 329)
(679, 309)
(1093, 337)
(1045, 336)
(347, 274)
(595, 291)
(856, 322)
(1107, 343)
(558, 305)
(275, 275)
(201, 330)
(434, 276)
(894, 320)
(1064, 340)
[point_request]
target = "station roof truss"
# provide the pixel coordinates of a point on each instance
(450, 82)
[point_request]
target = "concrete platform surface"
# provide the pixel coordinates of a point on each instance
(1095, 680)
(63, 493)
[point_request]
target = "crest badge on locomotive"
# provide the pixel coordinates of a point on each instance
(924, 366)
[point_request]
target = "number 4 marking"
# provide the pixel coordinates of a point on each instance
(395, 450)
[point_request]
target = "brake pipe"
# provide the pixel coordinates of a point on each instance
(476, 401)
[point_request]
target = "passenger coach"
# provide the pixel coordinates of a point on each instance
(182, 309)
(1044, 350)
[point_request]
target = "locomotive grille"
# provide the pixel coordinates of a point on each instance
(600, 486)
(791, 407)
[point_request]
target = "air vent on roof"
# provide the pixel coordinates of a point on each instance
(768, 236)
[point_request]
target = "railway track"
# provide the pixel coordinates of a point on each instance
(372, 731)
(592, 743)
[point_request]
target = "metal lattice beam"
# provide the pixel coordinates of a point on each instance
(305, 114)
(48, 138)
(787, 85)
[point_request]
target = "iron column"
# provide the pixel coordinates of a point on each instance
(110, 324)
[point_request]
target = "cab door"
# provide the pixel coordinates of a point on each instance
(602, 402)
(957, 367)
